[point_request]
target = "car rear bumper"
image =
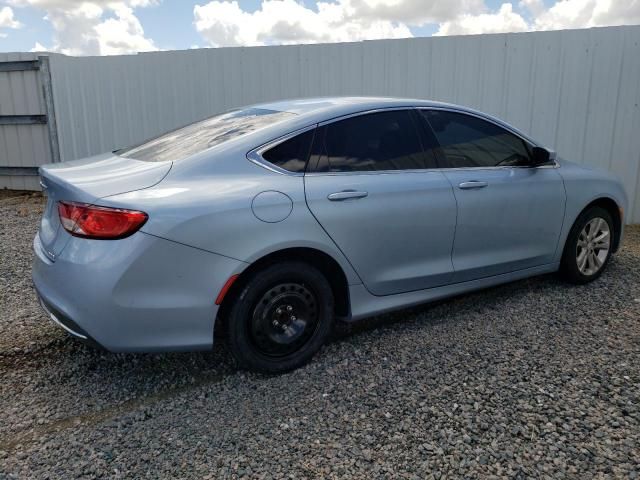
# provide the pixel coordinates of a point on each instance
(66, 323)
(138, 294)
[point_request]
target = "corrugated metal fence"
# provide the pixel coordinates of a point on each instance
(26, 131)
(577, 91)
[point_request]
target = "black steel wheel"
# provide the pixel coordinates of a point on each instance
(281, 318)
(284, 319)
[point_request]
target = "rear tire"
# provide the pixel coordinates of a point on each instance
(588, 247)
(281, 318)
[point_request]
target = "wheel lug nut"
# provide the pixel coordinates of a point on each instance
(289, 308)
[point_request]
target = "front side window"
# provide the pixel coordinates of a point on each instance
(467, 141)
(199, 136)
(371, 142)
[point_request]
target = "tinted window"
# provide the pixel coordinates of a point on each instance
(468, 141)
(199, 136)
(291, 154)
(375, 141)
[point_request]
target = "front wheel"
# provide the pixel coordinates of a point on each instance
(588, 246)
(281, 318)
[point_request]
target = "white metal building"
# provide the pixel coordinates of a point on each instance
(577, 91)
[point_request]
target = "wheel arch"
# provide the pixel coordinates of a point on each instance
(324, 262)
(612, 207)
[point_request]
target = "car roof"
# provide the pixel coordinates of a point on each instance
(319, 109)
(341, 105)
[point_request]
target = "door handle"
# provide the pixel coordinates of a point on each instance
(472, 184)
(346, 195)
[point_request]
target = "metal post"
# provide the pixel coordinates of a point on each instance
(47, 90)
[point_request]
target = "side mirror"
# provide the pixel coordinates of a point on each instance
(542, 156)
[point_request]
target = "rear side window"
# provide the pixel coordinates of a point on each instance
(467, 141)
(200, 136)
(292, 154)
(370, 142)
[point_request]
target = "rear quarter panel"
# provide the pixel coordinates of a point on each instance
(207, 203)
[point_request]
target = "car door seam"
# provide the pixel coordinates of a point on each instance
(564, 216)
(306, 201)
(191, 246)
(139, 189)
(455, 228)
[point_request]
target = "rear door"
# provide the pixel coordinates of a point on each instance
(509, 213)
(373, 186)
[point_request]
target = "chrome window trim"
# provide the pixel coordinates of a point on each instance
(255, 155)
(428, 170)
(364, 112)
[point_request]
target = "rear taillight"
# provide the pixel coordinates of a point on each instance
(100, 223)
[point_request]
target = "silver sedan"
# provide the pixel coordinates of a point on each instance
(274, 221)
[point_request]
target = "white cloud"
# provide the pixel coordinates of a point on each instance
(563, 14)
(94, 27)
(504, 20)
(587, 13)
(224, 23)
(122, 34)
(535, 7)
(411, 12)
(7, 20)
(67, 4)
(104, 27)
(38, 47)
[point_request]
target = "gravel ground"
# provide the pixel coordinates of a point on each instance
(532, 379)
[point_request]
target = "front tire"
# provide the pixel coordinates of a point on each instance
(281, 318)
(588, 247)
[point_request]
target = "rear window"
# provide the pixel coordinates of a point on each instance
(200, 136)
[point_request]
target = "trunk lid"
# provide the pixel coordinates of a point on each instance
(87, 181)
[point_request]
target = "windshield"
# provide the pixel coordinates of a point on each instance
(199, 136)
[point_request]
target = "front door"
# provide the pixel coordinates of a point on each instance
(509, 213)
(368, 186)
